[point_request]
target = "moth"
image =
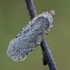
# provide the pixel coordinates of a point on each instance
(30, 36)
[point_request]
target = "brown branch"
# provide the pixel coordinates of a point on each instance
(47, 55)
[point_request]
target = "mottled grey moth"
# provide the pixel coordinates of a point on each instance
(30, 36)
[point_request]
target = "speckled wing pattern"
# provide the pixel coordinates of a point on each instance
(29, 37)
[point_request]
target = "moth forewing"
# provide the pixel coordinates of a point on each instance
(30, 36)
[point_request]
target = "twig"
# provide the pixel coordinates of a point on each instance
(31, 8)
(47, 55)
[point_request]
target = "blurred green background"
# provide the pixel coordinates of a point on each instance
(14, 16)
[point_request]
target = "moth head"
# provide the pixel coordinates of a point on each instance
(49, 15)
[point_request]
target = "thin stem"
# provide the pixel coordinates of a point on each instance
(31, 8)
(47, 55)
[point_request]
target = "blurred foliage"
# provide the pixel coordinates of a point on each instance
(14, 16)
